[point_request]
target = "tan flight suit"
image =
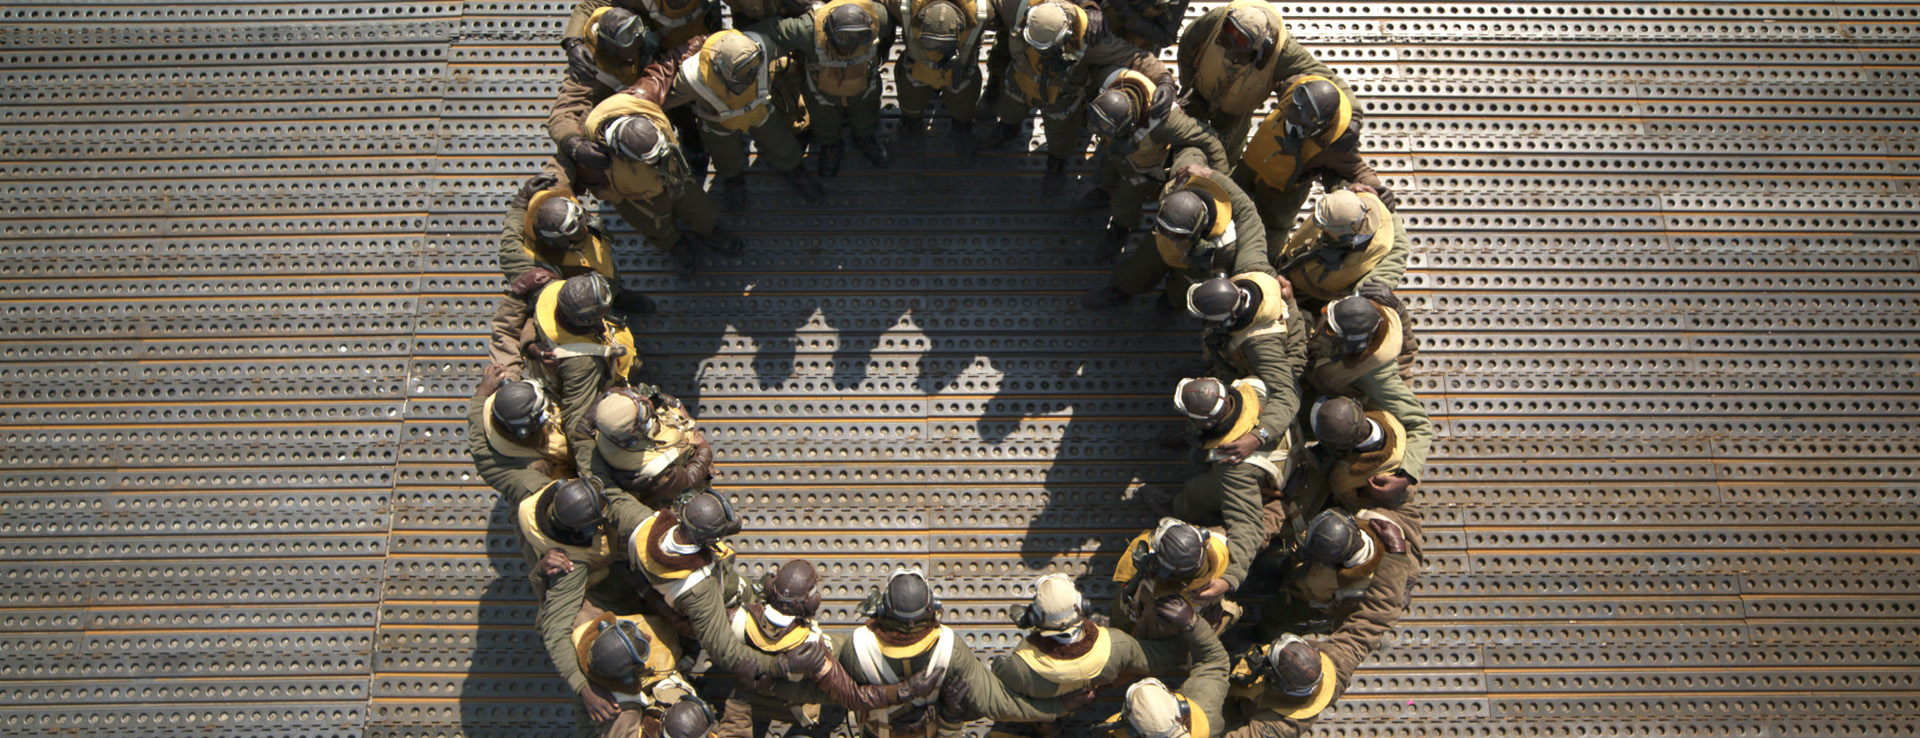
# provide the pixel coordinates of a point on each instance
(1133, 604)
(1226, 95)
(661, 686)
(587, 588)
(675, 21)
(520, 252)
(1042, 668)
(1350, 374)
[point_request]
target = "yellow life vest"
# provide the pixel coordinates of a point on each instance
(594, 253)
(1233, 89)
(1196, 721)
(1311, 276)
(1336, 376)
(1281, 703)
(595, 555)
(1030, 74)
(1347, 474)
(615, 75)
(663, 652)
(1223, 231)
(553, 446)
(1274, 166)
(1214, 565)
(565, 343)
(1272, 315)
(920, 64)
(1067, 675)
(844, 78)
(720, 107)
(636, 181)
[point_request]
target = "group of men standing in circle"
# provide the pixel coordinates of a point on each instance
(1272, 572)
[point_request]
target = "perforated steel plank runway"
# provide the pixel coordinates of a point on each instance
(1665, 259)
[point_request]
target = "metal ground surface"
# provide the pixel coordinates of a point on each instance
(1664, 269)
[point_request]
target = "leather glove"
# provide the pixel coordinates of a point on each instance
(589, 157)
(1096, 20)
(748, 677)
(1077, 699)
(1171, 616)
(921, 684)
(803, 661)
(1387, 197)
(529, 283)
(912, 721)
(580, 60)
(956, 700)
(534, 185)
(1380, 294)
(1162, 102)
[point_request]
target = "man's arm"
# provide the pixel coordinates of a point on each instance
(1296, 59)
(1242, 509)
(567, 119)
(1251, 245)
(1277, 360)
(1107, 52)
(1391, 270)
(1386, 391)
(1342, 158)
(514, 259)
(1206, 684)
(1374, 616)
(565, 593)
(992, 699)
(580, 381)
(788, 35)
(706, 607)
(1181, 131)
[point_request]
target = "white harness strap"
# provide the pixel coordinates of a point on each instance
(658, 464)
(570, 350)
(874, 668)
(674, 589)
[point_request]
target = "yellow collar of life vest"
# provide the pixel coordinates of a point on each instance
(1079, 670)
